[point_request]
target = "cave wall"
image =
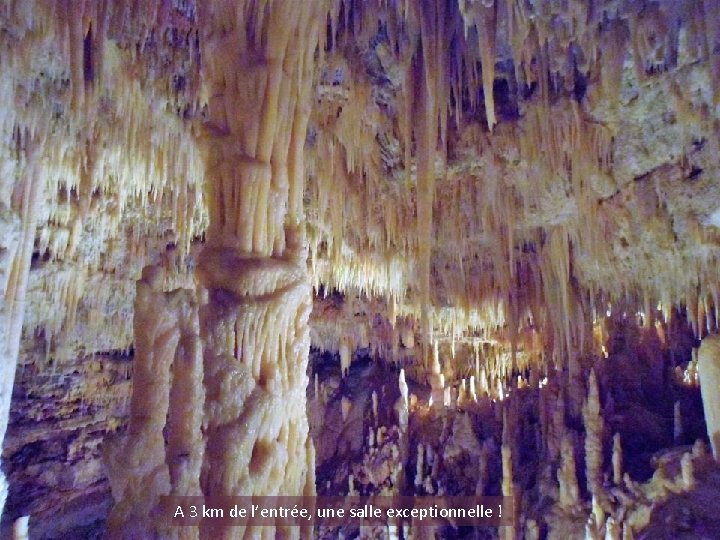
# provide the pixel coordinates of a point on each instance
(60, 416)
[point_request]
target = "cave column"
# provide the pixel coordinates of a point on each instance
(709, 372)
(258, 59)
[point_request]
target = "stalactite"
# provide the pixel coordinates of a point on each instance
(427, 105)
(345, 356)
(483, 16)
(462, 393)
(613, 49)
(15, 256)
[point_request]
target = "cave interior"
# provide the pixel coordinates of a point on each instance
(426, 248)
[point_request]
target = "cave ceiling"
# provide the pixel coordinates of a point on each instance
(575, 164)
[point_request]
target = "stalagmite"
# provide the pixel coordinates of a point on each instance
(185, 445)
(403, 404)
(613, 529)
(374, 400)
(345, 406)
(484, 385)
(677, 422)
(437, 381)
(598, 514)
(21, 529)
(419, 471)
(486, 451)
(687, 472)
(403, 388)
(593, 437)
(617, 463)
(532, 531)
(462, 393)
(557, 428)
(167, 399)
(508, 483)
(567, 475)
(709, 371)
(352, 492)
(592, 531)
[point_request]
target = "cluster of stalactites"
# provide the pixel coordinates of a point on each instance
(106, 145)
(107, 148)
(399, 222)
